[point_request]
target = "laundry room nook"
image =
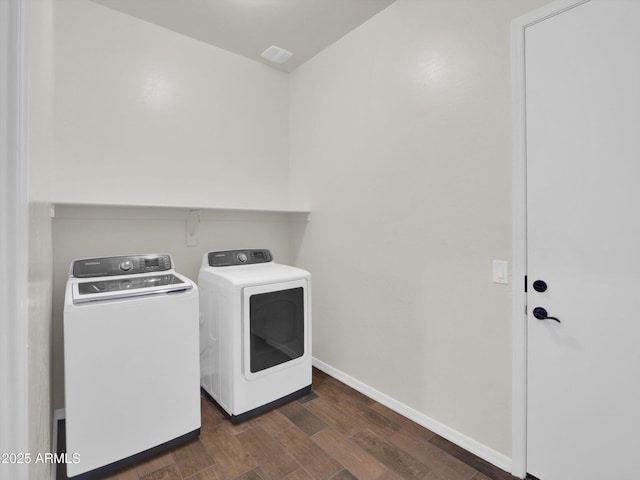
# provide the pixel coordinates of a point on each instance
(141, 126)
(346, 231)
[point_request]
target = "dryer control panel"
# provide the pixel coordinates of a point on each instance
(121, 265)
(228, 258)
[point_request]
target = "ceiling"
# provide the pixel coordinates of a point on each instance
(248, 27)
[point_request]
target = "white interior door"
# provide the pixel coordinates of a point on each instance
(583, 240)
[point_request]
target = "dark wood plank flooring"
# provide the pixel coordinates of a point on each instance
(334, 433)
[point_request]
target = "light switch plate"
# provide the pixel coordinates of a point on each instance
(500, 271)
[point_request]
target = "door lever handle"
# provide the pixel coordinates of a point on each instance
(541, 314)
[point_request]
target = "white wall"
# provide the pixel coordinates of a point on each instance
(41, 72)
(146, 116)
(40, 337)
(400, 146)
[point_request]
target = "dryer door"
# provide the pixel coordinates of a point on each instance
(275, 327)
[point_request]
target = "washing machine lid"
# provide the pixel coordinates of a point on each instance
(108, 288)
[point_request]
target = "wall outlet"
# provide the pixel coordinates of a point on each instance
(193, 222)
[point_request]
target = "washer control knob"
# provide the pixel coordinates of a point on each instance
(242, 257)
(126, 265)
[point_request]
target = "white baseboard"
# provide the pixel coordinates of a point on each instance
(473, 446)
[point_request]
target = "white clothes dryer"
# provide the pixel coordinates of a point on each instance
(255, 331)
(130, 361)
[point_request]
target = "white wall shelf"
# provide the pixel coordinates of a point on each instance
(103, 210)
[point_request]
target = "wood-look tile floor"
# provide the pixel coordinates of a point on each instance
(333, 433)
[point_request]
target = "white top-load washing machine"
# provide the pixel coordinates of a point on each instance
(255, 331)
(132, 385)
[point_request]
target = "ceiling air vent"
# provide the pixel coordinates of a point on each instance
(276, 54)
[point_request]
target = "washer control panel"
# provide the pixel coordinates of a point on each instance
(122, 265)
(228, 258)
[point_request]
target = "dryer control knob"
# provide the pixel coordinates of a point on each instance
(242, 257)
(126, 266)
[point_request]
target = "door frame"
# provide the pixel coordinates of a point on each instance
(519, 223)
(14, 367)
